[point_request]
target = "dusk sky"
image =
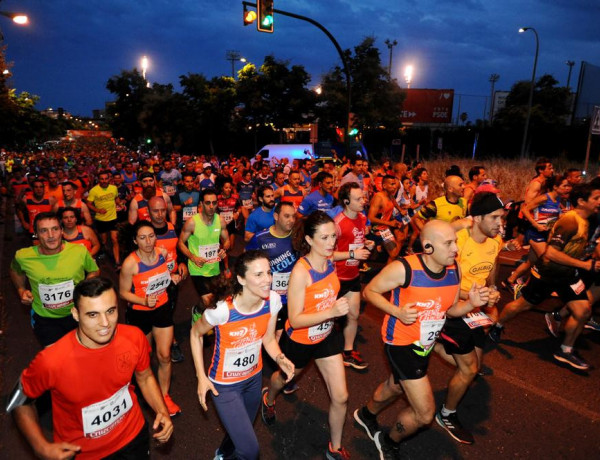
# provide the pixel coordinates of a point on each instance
(72, 47)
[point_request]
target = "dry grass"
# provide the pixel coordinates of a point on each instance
(512, 175)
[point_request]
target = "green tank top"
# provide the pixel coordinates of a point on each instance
(204, 242)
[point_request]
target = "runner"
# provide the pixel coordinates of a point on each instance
(138, 208)
(380, 215)
(52, 269)
(425, 288)
(262, 217)
(234, 378)
(291, 192)
(309, 332)
(229, 207)
(34, 202)
(95, 411)
(321, 199)
(143, 284)
(186, 201)
(477, 175)
(78, 234)
(352, 248)
(69, 200)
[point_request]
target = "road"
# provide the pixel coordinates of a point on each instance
(530, 407)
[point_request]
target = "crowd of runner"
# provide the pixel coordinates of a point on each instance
(309, 232)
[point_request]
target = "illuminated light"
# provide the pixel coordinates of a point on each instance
(353, 132)
(20, 19)
(249, 17)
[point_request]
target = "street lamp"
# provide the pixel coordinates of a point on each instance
(18, 18)
(493, 79)
(390, 45)
(408, 74)
(232, 55)
(570, 64)
(530, 102)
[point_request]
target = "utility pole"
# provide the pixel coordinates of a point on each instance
(390, 45)
(233, 56)
(493, 79)
(570, 64)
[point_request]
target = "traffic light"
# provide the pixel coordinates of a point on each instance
(249, 16)
(264, 9)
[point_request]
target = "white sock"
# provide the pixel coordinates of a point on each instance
(445, 412)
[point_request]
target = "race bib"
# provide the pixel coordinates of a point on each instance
(100, 418)
(280, 282)
(477, 319)
(430, 330)
(55, 296)
(157, 284)
(578, 287)
(320, 331)
(353, 247)
(169, 190)
(210, 252)
(189, 211)
(240, 362)
(386, 234)
(227, 216)
(247, 204)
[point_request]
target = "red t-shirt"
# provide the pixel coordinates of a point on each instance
(93, 402)
(350, 236)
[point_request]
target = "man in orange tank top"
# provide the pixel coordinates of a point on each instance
(425, 288)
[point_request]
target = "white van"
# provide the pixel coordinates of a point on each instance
(272, 152)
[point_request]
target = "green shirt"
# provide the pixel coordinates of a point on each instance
(53, 277)
(204, 242)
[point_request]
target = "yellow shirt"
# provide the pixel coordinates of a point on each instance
(476, 260)
(104, 198)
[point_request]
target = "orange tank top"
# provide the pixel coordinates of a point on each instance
(80, 239)
(320, 295)
(168, 241)
(433, 293)
(151, 279)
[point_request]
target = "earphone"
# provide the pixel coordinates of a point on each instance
(428, 248)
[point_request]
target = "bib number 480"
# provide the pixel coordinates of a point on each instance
(245, 361)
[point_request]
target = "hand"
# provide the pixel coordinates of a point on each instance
(165, 433)
(26, 297)
(513, 245)
(183, 271)
(222, 254)
(102, 211)
(199, 261)
(340, 307)
(59, 451)
(479, 295)
(494, 297)
(370, 244)
(151, 300)
(407, 313)
(175, 278)
(361, 254)
(287, 367)
(204, 385)
(188, 201)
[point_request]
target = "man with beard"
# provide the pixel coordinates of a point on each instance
(99, 416)
(52, 269)
(262, 217)
(138, 208)
(321, 199)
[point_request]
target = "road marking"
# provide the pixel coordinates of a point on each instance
(554, 398)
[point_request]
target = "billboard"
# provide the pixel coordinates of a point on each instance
(88, 133)
(427, 106)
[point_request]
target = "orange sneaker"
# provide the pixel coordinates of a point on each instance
(173, 408)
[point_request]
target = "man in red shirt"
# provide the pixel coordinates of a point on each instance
(88, 373)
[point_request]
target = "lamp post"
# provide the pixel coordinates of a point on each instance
(18, 18)
(493, 79)
(408, 74)
(570, 64)
(233, 56)
(530, 102)
(390, 45)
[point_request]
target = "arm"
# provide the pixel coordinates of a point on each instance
(199, 329)
(186, 232)
(478, 296)
(171, 212)
(527, 207)
(90, 234)
(299, 280)
(532, 191)
(20, 282)
(133, 212)
(555, 255)
(85, 214)
(128, 269)
(153, 396)
(272, 348)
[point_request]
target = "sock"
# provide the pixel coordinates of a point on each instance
(347, 352)
(446, 412)
(366, 413)
(566, 349)
(499, 325)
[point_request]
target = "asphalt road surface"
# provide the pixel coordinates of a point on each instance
(531, 407)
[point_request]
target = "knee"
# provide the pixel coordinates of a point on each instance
(582, 314)
(163, 356)
(425, 415)
(340, 397)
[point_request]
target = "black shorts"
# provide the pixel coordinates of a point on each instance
(106, 226)
(147, 319)
(282, 317)
(406, 364)
(537, 290)
(231, 228)
(203, 284)
(301, 354)
(49, 330)
(459, 339)
(346, 286)
(138, 447)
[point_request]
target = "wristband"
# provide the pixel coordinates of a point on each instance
(351, 254)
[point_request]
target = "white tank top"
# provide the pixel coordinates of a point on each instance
(421, 194)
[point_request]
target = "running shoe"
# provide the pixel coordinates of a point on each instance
(173, 408)
(387, 451)
(571, 359)
(290, 387)
(267, 412)
(218, 455)
(353, 358)
(593, 325)
(454, 428)
(495, 333)
(369, 425)
(340, 454)
(552, 324)
(176, 353)
(517, 290)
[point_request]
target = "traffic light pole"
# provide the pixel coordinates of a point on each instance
(342, 57)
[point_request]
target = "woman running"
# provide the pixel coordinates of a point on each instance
(308, 332)
(244, 319)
